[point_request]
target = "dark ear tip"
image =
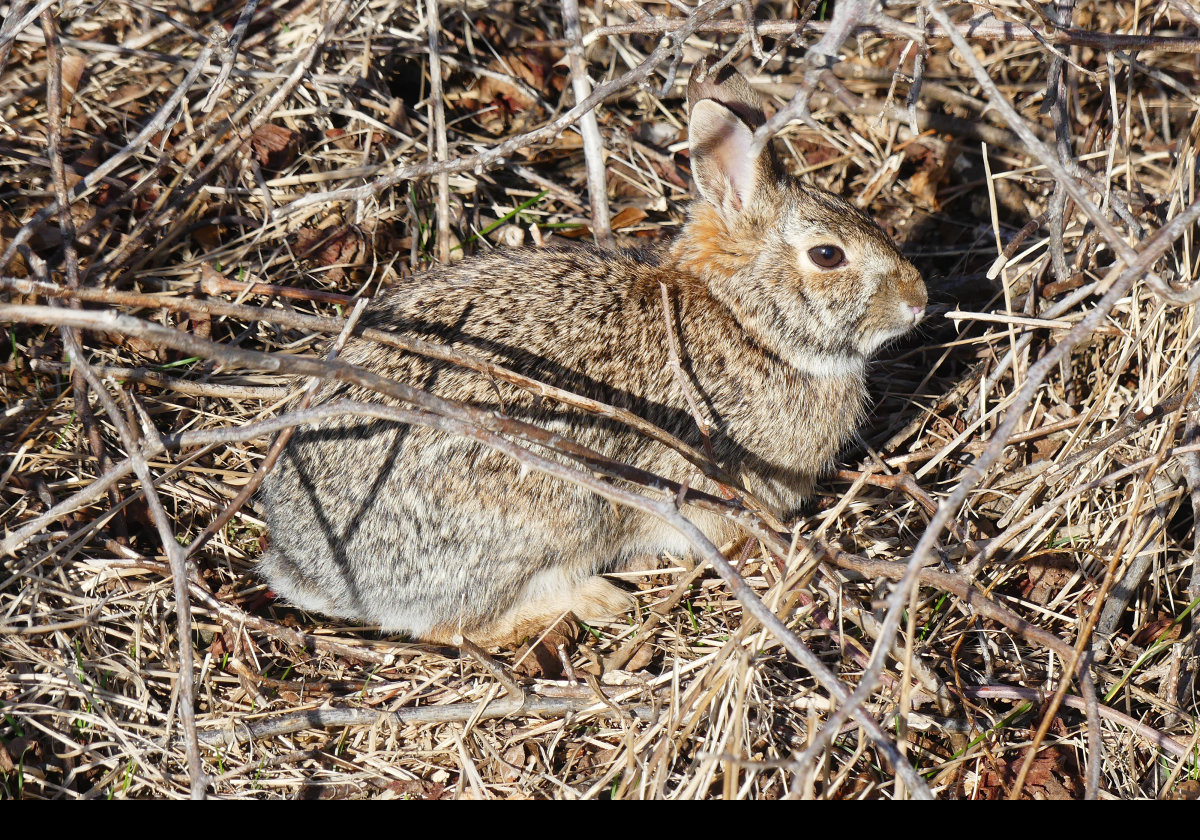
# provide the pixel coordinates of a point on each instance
(728, 87)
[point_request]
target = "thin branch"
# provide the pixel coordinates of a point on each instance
(1038, 697)
(241, 732)
(1185, 8)
(227, 49)
(589, 127)
(983, 28)
(437, 126)
(171, 383)
(175, 555)
(848, 15)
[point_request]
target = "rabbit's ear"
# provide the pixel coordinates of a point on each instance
(725, 110)
(728, 87)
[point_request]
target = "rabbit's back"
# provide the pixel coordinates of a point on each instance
(434, 534)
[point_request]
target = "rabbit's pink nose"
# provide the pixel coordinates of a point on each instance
(918, 312)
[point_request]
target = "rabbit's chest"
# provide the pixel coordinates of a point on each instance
(794, 435)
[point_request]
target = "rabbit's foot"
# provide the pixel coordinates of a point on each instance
(594, 599)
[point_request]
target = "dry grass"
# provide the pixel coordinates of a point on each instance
(307, 166)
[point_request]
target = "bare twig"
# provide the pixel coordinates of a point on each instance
(437, 127)
(66, 223)
(171, 383)
(1185, 8)
(1037, 696)
(847, 16)
(589, 127)
(175, 555)
(227, 50)
(1188, 675)
(327, 718)
(675, 362)
(978, 29)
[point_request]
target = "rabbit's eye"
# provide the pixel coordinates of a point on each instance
(827, 256)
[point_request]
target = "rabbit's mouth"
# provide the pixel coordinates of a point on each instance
(874, 339)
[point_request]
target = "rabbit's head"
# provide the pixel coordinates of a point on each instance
(811, 274)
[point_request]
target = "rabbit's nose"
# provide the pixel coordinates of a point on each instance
(918, 312)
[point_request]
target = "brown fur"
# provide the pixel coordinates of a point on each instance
(708, 245)
(441, 537)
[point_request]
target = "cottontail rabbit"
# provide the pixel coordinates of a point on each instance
(780, 290)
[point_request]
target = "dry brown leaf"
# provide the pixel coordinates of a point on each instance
(627, 217)
(209, 236)
(1048, 574)
(72, 71)
(1053, 775)
(339, 138)
(340, 246)
(1189, 789)
(1151, 631)
(543, 661)
(274, 146)
(417, 789)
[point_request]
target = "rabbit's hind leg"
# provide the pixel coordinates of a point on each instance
(594, 598)
(547, 598)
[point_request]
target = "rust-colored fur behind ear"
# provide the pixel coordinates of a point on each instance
(728, 87)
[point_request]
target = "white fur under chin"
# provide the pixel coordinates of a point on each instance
(827, 365)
